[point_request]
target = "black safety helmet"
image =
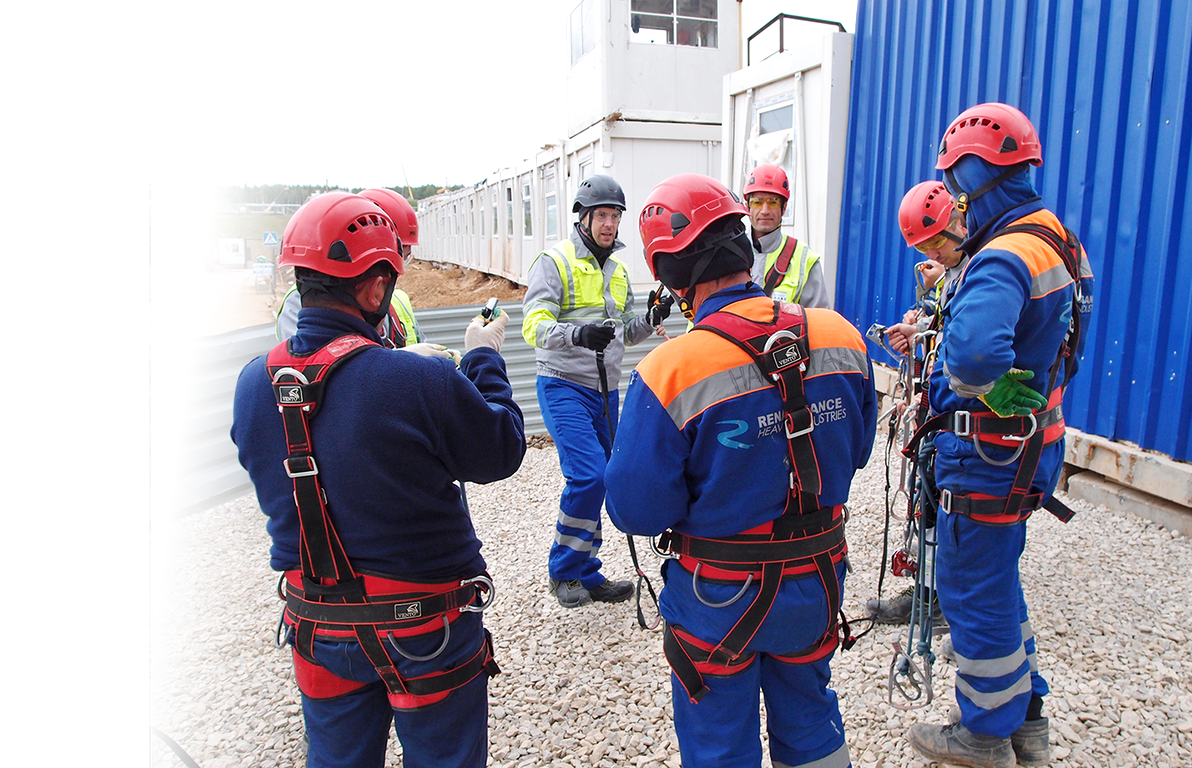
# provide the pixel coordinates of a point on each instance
(599, 191)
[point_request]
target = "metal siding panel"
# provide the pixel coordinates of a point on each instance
(1107, 86)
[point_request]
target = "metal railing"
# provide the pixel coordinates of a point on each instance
(781, 21)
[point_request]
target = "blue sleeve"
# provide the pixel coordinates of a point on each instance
(868, 417)
(481, 428)
(645, 481)
(984, 313)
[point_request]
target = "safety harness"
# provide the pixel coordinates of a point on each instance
(397, 335)
(805, 539)
(1028, 435)
(328, 598)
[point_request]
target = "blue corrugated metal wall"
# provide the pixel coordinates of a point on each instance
(1106, 84)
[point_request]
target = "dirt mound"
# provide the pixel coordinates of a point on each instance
(432, 284)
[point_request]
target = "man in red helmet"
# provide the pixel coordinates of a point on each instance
(399, 328)
(786, 269)
(931, 225)
(383, 575)
(738, 445)
(1011, 337)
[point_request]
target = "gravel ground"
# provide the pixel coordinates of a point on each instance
(1109, 598)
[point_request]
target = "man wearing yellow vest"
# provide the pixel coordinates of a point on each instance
(579, 316)
(787, 269)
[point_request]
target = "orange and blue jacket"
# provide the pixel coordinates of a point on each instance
(701, 446)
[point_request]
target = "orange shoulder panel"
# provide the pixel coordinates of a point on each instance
(677, 364)
(1038, 255)
(828, 328)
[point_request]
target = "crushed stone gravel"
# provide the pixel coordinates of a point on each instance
(1108, 595)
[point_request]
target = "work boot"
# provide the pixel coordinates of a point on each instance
(1031, 742)
(897, 610)
(612, 591)
(956, 745)
(570, 594)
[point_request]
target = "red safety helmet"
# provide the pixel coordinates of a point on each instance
(679, 209)
(341, 235)
(925, 212)
(994, 132)
(400, 212)
(768, 178)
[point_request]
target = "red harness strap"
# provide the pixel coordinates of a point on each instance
(803, 539)
(781, 265)
(398, 335)
(328, 598)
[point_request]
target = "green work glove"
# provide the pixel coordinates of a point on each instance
(1010, 397)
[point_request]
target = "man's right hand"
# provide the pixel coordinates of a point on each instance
(900, 336)
(491, 335)
(595, 336)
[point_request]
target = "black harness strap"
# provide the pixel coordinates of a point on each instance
(780, 349)
(781, 265)
(331, 589)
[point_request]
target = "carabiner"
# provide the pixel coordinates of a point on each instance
(442, 646)
(726, 603)
(487, 586)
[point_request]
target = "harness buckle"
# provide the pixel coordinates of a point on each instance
(1028, 435)
(311, 470)
(791, 433)
(946, 500)
(486, 585)
(965, 418)
(666, 554)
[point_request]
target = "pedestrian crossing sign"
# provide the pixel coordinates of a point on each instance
(270, 238)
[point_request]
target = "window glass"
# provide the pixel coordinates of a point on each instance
(509, 211)
(699, 9)
(583, 29)
(652, 29)
(552, 217)
(528, 224)
(671, 22)
(654, 6)
(701, 34)
(778, 119)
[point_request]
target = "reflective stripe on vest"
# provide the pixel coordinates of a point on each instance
(791, 282)
(583, 280)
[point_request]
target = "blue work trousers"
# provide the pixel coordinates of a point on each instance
(575, 417)
(352, 731)
(980, 592)
(802, 713)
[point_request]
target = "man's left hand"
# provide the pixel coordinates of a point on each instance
(658, 307)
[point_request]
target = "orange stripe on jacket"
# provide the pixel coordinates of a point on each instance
(1033, 250)
(676, 365)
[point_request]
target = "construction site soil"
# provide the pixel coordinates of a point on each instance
(236, 298)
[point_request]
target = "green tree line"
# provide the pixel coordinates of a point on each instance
(298, 194)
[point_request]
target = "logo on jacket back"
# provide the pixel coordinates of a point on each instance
(786, 356)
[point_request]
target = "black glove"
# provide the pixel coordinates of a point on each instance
(658, 308)
(596, 336)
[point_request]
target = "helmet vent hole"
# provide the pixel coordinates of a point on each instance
(339, 252)
(352, 227)
(678, 223)
(1009, 145)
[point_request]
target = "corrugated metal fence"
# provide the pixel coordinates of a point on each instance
(1106, 84)
(214, 475)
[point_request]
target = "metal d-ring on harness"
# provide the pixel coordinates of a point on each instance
(491, 591)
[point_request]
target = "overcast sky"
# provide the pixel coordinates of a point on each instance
(104, 99)
(369, 93)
